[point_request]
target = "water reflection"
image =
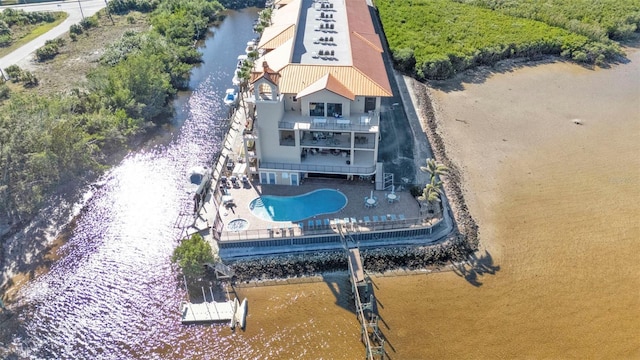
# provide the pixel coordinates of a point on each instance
(114, 294)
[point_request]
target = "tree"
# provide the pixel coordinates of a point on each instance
(431, 192)
(192, 254)
(434, 168)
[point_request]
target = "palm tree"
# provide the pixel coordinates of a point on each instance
(431, 192)
(434, 168)
(431, 196)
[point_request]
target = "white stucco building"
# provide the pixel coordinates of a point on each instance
(316, 90)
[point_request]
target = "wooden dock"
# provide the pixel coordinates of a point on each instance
(229, 311)
(208, 312)
(364, 301)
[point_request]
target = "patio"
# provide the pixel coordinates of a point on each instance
(403, 212)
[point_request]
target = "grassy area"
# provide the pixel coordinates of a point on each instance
(614, 19)
(69, 68)
(438, 38)
(34, 33)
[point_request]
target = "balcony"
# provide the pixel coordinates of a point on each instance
(328, 162)
(320, 168)
(364, 122)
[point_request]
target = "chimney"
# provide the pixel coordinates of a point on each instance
(265, 66)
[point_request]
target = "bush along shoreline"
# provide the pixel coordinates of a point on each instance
(51, 141)
(436, 39)
(55, 145)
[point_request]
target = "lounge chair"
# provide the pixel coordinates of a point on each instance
(401, 217)
(383, 218)
(310, 223)
(318, 224)
(393, 217)
(327, 223)
(367, 220)
(375, 218)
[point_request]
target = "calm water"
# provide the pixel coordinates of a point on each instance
(113, 293)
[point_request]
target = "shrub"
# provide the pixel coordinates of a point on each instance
(5, 40)
(404, 60)
(4, 91)
(76, 29)
(14, 72)
(47, 52)
(4, 28)
(89, 22)
(29, 79)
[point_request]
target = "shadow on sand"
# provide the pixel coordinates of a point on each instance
(476, 267)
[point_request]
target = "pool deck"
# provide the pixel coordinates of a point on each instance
(355, 190)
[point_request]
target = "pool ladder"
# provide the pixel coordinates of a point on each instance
(259, 203)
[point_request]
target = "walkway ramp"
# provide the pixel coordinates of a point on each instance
(356, 264)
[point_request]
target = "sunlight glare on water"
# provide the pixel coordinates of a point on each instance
(114, 293)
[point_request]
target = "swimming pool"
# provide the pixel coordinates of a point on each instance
(296, 208)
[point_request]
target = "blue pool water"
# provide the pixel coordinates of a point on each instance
(296, 208)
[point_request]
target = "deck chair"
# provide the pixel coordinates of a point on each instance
(327, 223)
(401, 217)
(318, 224)
(393, 217)
(383, 218)
(367, 220)
(310, 224)
(375, 218)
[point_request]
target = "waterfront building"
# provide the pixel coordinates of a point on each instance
(316, 91)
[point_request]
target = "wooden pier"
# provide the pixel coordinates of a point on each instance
(365, 301)
(230, 311)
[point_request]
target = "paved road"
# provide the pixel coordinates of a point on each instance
(23, 55)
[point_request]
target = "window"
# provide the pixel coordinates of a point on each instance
(334, 110)
(295, 98)
(316, 109)
(287, 138)
(369, 104)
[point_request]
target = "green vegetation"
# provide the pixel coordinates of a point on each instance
(264, 20)
(18, 27)
(613, 19)
(433, 190)
(192, 254)
(437, 38)
(50, 49)
(66, 138)
(16, 74)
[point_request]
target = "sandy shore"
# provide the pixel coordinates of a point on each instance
(558, 205)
